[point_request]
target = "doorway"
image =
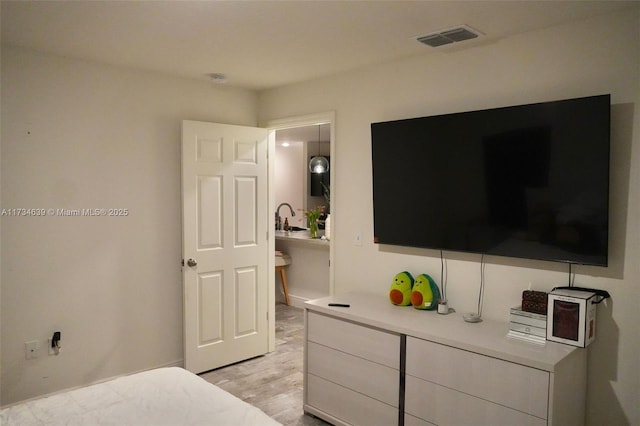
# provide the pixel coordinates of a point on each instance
(308, 135)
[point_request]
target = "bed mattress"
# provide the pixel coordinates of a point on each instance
(165, 396)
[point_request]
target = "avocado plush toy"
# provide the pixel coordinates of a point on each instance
(400, 291)
(425, 294)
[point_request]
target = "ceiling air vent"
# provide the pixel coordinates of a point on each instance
(448, 36)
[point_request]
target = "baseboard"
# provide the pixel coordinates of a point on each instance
(297, 301)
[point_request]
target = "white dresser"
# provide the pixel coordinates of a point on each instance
(374, 363)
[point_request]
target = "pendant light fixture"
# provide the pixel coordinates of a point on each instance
(318, 164)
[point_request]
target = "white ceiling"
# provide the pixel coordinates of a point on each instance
(266, 44)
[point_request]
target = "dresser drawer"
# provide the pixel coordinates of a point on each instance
(443, 406)
(368, 343)
(348, 406)
(375, 380)
(521, 388)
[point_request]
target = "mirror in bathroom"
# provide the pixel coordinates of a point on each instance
(294, 183)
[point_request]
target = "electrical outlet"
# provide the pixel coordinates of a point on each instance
(31, 349)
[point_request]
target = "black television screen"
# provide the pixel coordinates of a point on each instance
(528, 181)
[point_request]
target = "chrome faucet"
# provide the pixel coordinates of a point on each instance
(279, 219)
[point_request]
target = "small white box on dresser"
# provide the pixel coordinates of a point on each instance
(572, 317)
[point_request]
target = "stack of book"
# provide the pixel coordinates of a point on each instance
(528, 326)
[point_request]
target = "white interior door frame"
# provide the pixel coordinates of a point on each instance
(302, 121)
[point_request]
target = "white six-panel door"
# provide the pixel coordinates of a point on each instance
(225, 246)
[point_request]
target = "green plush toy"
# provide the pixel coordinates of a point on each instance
(425, 294)
(400, 291)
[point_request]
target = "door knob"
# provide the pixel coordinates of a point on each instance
(191, 263)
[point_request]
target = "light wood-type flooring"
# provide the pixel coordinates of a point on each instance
(272, 382)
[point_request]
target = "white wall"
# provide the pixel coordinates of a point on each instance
(81, 135)
(591, 57)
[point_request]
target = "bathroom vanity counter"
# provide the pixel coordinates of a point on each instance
(301, 237)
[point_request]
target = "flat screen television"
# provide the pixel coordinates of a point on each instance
(527, 181)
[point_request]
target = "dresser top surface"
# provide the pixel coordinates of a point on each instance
(487, 337)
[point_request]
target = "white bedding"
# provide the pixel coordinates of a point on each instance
(166, 396)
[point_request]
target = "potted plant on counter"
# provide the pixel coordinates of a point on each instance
(312, 216)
